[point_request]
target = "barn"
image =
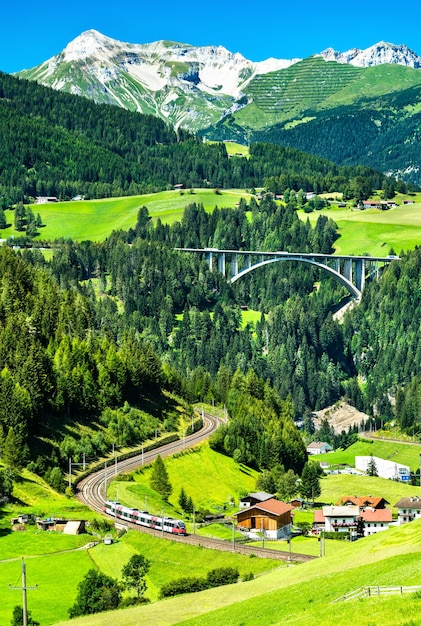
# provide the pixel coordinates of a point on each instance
(272, 517)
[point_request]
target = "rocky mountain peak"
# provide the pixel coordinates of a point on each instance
(378, 54)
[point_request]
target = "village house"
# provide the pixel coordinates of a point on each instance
(376, 520)
(254, 498)
(272, 518)
(318, 447)
(409, 509)
(344, 519)
(45, 199)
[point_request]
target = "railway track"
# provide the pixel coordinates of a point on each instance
(92, 492)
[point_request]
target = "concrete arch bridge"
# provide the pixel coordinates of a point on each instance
(350, 271)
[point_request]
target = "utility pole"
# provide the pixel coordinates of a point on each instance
(24, 590)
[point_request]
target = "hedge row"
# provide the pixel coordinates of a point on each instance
(215, 578)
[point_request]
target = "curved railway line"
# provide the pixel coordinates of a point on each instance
(92, 492)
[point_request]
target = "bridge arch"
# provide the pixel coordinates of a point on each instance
(349, 270)
(353, 290)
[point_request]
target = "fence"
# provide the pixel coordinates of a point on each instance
(377, 590)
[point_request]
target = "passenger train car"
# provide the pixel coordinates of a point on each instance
(143, 518)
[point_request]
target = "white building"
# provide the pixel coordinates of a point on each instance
(408, 509)
(344, 519)
(318, 447)
(385, 468)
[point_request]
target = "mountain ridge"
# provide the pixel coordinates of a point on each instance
(221, 95)
(190, 86)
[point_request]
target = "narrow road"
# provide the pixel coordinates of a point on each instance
(92, 492)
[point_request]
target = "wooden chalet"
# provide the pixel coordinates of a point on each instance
(272, 517)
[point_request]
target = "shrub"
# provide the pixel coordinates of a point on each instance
(222, 576)
(183, 585)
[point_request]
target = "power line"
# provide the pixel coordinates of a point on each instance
(24, 589)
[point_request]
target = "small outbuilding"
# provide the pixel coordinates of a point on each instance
(74, 527)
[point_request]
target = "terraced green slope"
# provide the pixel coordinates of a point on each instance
(304, 85)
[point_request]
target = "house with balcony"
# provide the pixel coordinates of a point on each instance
(409, 509)
(341, 519)
(346, 519)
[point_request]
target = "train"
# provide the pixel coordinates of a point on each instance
(143, 518)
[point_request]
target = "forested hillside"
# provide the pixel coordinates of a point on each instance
(55, 144)
(380, 137)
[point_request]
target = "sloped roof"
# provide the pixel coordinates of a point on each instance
(73, 527)
(319, 518)
(261, 496)
(276, 507)
(341, 511)
(317, 445)
(409, 503)
(377, 515)
(361, 501)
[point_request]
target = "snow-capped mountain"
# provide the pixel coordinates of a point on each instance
(190, 86)
(179, 82)
(378, 54)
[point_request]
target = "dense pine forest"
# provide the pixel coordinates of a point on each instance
(110, 333)
(118, 336)
(55, 144)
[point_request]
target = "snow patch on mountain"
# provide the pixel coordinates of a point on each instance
(378, 54)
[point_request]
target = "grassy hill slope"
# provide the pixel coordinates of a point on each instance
(302, 594)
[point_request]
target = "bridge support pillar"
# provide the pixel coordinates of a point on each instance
(221, 263)
(209, 259)
(234, 265)
(360, 274)
(347, 270)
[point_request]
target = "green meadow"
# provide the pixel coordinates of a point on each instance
(405, 453)
(302, 594)
(374, 231)
(212, 480)
(371, 231)
(96, 219)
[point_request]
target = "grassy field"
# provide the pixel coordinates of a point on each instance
(56, 590)
(169, 559)
(32, 495)
(303, 594)
(96, 219)
(405, 453)
(374, 231)
(371, 231)
(212, 480)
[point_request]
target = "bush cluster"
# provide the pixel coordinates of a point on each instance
(215, 578)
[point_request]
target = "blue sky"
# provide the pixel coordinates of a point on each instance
(31, 32)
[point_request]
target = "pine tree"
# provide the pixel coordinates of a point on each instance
(159, 480)
(372, 468)
(182, 499)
